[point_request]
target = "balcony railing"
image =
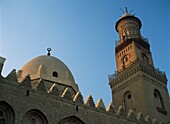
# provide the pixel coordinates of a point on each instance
(117, 42)
(135, 63)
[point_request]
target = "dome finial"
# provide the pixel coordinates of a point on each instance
(126, 9)
(49, 50)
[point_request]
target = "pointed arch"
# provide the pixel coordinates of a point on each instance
(34, 116)
(71, 120)
(159, 103)
(7, 115)
(128, 101)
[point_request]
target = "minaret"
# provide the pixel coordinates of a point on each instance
(137, 84)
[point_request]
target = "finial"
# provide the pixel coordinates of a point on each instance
(126, 9)
(49, 50)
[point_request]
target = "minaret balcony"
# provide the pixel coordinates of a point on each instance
(140, 41)
(133, 68)
(119, 42)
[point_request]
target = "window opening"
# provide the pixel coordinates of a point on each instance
(55, 74)
(77, 108)
(129, 96)
(27, 93)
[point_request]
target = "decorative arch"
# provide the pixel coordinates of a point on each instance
(159, 102)
(71, 120)
(125, 59)
(128, 101)
(34, 117)
(7, 115)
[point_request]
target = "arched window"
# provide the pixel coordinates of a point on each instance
(34, 117)
(71, 120)
(7, 115)
(128, 101)
(124, 60)
(55, 74)
(159, 102)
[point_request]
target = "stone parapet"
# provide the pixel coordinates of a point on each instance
(77, 100)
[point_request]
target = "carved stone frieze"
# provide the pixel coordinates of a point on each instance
(132, 69)
(128, 83)
(154, 82)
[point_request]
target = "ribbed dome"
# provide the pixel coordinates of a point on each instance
(48, 68)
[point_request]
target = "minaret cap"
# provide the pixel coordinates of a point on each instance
(127, 15)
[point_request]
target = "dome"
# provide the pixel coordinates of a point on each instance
(128, 18)
(48, 68)
(126, 15)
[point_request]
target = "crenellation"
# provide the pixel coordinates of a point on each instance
(26, 82)
(148, 119)
(67, 95)
(41, 86)
(78, 98)
(121, 112)
(140, 118)
(90, 102)
(100, 105)
(54, 90)
(131, 116)
(111, 109)
(12, 76)
(2, 60)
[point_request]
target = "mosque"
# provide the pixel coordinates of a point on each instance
(44, 91)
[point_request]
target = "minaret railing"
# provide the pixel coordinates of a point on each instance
(134, 64)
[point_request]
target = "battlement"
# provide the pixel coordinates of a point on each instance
(76, 100)
(2, 60)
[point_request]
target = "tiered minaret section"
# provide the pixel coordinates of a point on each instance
(132, 45)
(137, 84)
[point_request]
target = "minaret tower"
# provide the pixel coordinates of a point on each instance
(137, 84)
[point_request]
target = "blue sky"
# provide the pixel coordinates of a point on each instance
(82, 34)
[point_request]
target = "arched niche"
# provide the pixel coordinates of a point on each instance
(7, 115)
(159, 102)
(128, 101)
(71, 120)
(34, 117)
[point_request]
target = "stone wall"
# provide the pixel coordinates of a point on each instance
(40, 106)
